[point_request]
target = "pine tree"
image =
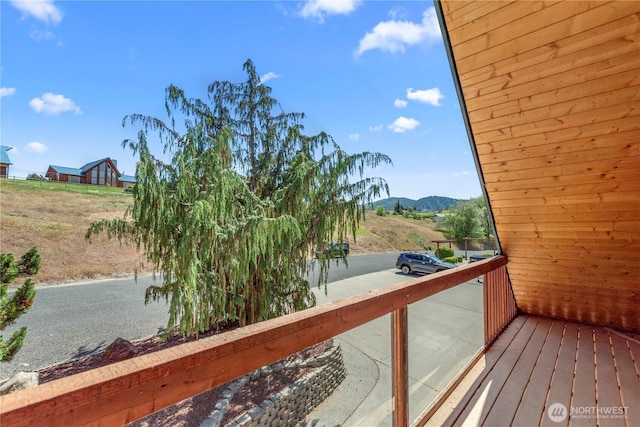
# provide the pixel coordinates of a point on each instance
(247, 197)
(398, 207)
(22, 299)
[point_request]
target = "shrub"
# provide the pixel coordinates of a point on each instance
(35, 177)
(443, 253)
(381, 211)
(454, 259)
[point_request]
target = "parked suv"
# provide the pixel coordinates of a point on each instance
(413, 262)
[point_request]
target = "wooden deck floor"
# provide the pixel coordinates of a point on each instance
(550, 373)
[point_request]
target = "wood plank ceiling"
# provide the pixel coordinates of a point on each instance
(552, 95)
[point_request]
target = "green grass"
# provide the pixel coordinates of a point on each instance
(63, 186)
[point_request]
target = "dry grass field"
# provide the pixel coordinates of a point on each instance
(55, 217)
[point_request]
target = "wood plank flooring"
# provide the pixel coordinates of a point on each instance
(547, 372)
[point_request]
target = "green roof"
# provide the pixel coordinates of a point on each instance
(67, 171)
(4, 157)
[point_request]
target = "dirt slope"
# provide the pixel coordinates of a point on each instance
(55, 219)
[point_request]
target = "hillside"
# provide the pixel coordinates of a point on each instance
(428, 204)
(54, 218)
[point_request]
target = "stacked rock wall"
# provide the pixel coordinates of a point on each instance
(291, 405)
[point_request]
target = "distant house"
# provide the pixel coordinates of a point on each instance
(125, 181)
(4, 161)
(100, 172)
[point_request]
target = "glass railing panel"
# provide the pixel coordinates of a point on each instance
(445, 332)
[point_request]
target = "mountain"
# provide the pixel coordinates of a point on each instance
(430, 203)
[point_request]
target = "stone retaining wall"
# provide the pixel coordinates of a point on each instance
(292, 404)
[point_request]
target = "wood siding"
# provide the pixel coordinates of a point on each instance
(552, 94)
(54, 176)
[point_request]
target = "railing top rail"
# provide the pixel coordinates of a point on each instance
(122, 392)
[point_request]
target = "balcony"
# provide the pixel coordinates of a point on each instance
(535, 362)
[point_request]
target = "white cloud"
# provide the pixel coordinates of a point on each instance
(317, 9)
(36, 147)
(7, 91)
(354, 136)
(397, 12)
(393, 36)
(270, 75)
(40, 35)
(42, 10)
(400, 103)
(376, 128)
(426, 96)
(403, 124)
(53, 104)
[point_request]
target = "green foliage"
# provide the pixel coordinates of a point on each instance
(466, 219)
(454, 259)
(247, 197)
(484, 217)
(411, 215)
(12, 307)
(443, 253)
(8, 268)
(30, 262)
(397, 209)
(430, 203)
(35, 177)
(380, 211)
(9, 348)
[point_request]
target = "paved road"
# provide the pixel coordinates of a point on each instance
(71, 321)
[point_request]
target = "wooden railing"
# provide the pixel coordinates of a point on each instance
(499, 303)
(122, 392)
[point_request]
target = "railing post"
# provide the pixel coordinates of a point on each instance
(400, 366)
(499, 304)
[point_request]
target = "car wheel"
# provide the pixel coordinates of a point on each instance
(405, 269)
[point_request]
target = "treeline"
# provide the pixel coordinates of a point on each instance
(464, 219)
(425, 204)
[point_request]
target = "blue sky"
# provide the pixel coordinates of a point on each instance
(373, 74)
